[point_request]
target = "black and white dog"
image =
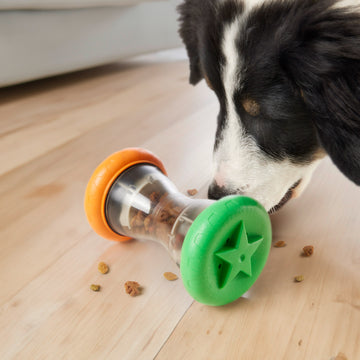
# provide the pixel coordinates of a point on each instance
(287, 76)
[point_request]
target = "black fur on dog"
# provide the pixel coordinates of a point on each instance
(300, 61)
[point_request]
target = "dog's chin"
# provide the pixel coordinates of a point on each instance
(215, 193)
(288, 195)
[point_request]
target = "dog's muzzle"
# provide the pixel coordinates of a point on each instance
(216, 192)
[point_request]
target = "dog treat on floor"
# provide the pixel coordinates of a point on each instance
(308, 250)
(103, 268)
(192, 192)
(299, 278)
(280, 243)
(94, 287)
(340, 356)
(170, 276)
(132, 288)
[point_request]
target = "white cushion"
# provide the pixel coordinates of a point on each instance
(64, 4)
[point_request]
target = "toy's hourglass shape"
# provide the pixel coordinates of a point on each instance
(221, 246)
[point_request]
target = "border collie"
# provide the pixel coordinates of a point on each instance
(287, 77)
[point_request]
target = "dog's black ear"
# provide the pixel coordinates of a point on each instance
(336, 112)
(323, 60)
(189, 19)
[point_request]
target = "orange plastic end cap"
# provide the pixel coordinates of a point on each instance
(101, 181)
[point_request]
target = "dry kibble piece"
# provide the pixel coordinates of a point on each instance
(280, 243)
(170, 276)
(164, 215)
(148, 222)
(94, 287)
(154, 197)
(340, 356)
(138, 219)
(299, 278)
(308, 250)
(103, 268)
(175, 211)
(132, 288)
(192, 192)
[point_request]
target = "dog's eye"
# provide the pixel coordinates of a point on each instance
(208, 82)
(251, 107)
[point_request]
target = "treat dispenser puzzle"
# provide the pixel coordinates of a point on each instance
(221, 246)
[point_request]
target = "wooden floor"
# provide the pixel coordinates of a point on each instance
(54, 133)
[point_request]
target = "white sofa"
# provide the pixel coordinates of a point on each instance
(40, 38)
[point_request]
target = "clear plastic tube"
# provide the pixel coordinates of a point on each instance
(143, 203)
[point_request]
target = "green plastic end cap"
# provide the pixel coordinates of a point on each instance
(225, 250)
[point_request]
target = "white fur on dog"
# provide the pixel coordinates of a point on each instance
(238, 158)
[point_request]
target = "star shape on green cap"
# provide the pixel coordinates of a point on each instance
(237, 258)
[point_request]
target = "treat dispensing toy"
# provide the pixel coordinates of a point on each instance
(221, 246)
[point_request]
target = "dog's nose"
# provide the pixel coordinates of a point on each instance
(216, 192)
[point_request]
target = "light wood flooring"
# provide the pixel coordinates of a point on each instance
(53, 133)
